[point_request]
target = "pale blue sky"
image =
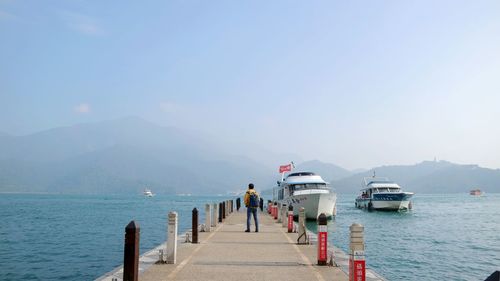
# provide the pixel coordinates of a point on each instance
(356, 83)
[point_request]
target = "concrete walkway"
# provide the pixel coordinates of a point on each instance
(228, 253)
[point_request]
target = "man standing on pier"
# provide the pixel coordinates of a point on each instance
(252, 201)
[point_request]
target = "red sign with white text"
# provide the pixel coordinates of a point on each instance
(357, 270)
(322, 246)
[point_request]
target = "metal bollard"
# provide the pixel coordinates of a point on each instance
(220, 213)
(290, 218)
(208, 214)
(302, 238)
(131, 252)
(261, 204)
(172, 238)
(194, 239)
(223, 210)
(214, 214)
(322, 239)
(275, 210)
(238, 204)
(357, 265)
(284, 220)
(279, 213)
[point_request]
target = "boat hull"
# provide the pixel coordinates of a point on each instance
(314, 204)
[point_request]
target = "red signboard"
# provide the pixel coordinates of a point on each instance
(357, 270)
(322, 246)
(290, 221)
(285, 168)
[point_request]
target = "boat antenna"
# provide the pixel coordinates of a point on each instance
(373, 173)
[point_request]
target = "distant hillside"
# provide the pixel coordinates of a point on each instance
(328, 171)
(430, 177)
(124, 155)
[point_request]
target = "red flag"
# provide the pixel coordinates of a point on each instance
(285, 168)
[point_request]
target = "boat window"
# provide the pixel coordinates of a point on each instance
(316, 185)
(299, 174)
(301, 186)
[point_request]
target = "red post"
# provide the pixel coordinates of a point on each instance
(322, 239)
(290, 218)
(357, 270)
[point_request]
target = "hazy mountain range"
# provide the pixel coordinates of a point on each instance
(130, 154)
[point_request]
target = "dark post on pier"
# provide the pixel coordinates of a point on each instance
(195, 226)
(238, 204)
(261, 204)
(223, 210)
(131, 252)
(220, 212)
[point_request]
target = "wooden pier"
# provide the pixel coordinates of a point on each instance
(229, 253)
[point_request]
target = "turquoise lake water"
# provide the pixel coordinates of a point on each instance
(78, 237)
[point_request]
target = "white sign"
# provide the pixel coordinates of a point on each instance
(358, 255)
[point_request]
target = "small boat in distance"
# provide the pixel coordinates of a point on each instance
(476, 192)
(308, 190)
(147, 192)
(382, 194)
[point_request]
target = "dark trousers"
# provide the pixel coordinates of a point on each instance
(252, 211)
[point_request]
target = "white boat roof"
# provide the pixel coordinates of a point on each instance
(377, 182)
(393, 185)
(303, 177)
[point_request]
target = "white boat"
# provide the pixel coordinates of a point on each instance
(476, 192)
(148, 193)
(382, 194)
(308, 190)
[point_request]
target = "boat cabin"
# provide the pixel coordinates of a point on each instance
(299, 182)
(378, 185)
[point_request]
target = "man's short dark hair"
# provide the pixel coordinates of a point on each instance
(250, 185)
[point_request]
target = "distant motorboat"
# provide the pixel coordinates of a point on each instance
(148, 193)
(476, 192)
(382, 194)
